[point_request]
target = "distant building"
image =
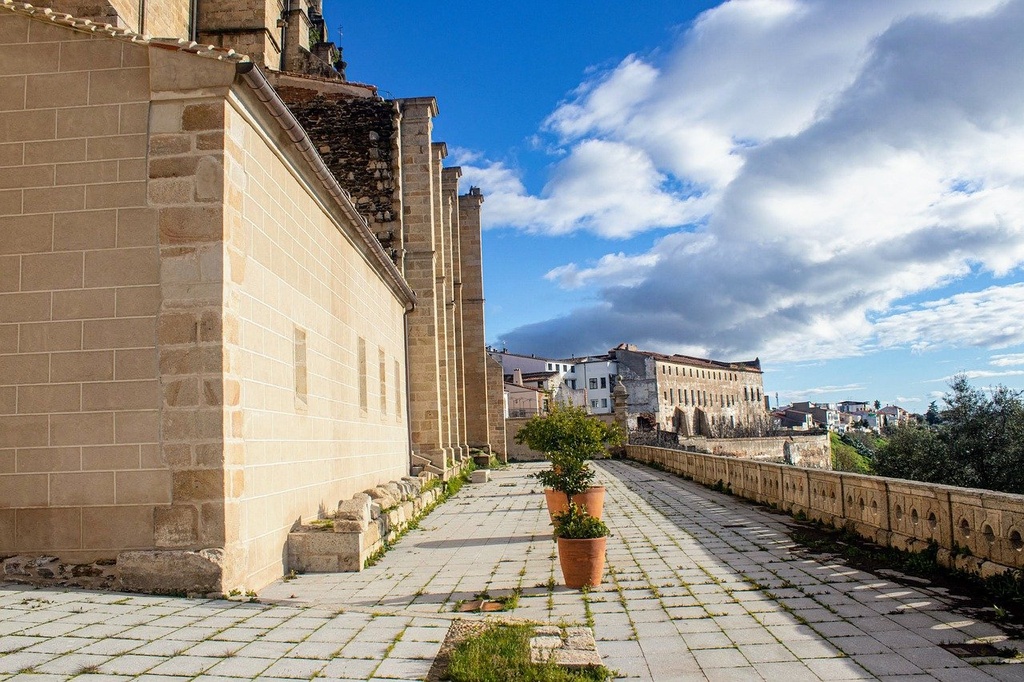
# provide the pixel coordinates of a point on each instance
(585, 381)
(818, 416)
(851, 406)
(691, 396)
(593, 377)
(522, 400)
(894, 415)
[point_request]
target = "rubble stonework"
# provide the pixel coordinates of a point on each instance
(355, 137)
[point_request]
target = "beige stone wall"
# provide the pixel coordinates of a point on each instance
(814, 452)
(727, 396)
(303, 297)
(80, 468)
(495, 404)
(903, 514)
(246, 26)
(163, 18)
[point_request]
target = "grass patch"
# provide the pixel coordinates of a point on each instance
(501, 652)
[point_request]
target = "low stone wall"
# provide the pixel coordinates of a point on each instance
(814, 452)
(976, 530)
(360, 527)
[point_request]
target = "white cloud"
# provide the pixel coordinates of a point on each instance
(824, 162)
(806, 393)
(607, 187)
(626, 270)
(988, 319)
(982, 374)
(1008, 360)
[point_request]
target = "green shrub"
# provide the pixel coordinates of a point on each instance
(576, 524)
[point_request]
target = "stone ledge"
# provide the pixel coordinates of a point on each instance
(571, 647)
(359, 527)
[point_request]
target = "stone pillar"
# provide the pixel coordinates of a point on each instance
(620, 397)
(495, 408)
(188, 195)
(421, 273)
(439, 153)
(478, 430)
(450, 184)
(246, 26)
(296, 39)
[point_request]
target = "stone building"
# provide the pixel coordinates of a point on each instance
(691, 396)
(234, 290)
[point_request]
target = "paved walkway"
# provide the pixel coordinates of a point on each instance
(698, 586)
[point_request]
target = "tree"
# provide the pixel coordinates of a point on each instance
(932, 416)
(878, 404)
(568, 436)
(976, 442)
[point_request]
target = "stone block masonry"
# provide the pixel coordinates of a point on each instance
(204, 337)
(360, 527)
(903, 514)
(80, 462)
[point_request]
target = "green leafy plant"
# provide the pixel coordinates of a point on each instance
(576, 524)
(568, 437)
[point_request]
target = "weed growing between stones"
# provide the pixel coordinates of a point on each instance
(451, 487)
(586, 606)
(1002, 595)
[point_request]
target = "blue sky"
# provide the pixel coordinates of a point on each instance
(834, 187)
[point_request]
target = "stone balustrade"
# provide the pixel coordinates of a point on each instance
(979, 531)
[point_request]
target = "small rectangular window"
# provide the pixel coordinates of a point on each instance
(593, 403)
(382, 365)
(604, 383)
(301, 371)
(398, 391)
(604, 402)
(593, 383)
(361, 369)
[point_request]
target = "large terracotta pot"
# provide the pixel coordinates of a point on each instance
(592, 500)
(582, 561)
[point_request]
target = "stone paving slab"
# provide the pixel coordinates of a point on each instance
(698, 585)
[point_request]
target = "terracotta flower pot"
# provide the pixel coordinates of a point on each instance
(592, 500)
(582, 561)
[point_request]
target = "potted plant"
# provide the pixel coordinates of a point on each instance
(568, 436)
(582, 540)
(571, 481)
